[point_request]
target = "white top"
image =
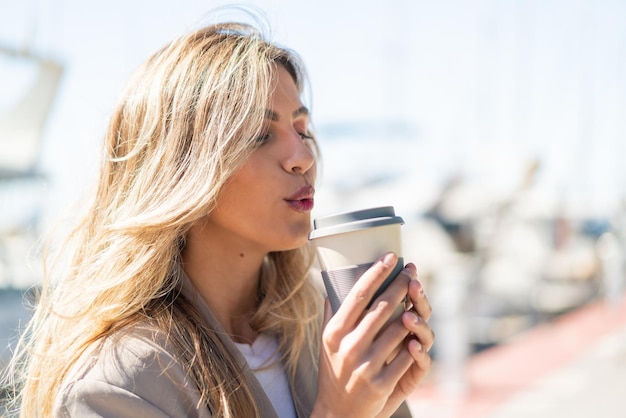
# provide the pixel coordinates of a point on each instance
(259, 354)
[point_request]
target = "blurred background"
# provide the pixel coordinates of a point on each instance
(495, 128)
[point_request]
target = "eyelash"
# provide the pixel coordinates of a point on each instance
(263, 138)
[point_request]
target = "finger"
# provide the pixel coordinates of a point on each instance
(418, 344)
(383, 325)
(420, 355)
(420, 363)
(386, 307)
(400, 364)
(418, 298)
(390, 340)
(355, 303)
(414, 359)
(419, 328)
(386, 310)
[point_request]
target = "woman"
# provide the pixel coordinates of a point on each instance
(187, 292)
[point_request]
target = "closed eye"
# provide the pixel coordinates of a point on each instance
(262, 138)
(305, 136)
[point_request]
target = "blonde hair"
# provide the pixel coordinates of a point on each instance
(187, 120)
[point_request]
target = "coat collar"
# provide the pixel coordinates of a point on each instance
(303, 388)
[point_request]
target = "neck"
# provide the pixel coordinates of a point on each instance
(227, 277)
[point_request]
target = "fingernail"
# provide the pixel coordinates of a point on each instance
(419, 346)
(389, 259)
(415, 319)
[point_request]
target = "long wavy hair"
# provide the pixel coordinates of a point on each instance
(185, 123)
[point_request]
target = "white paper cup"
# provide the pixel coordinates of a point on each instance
(348, 243)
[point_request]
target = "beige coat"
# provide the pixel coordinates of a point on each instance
(135, 374)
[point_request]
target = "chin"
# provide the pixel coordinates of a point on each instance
(295, 243)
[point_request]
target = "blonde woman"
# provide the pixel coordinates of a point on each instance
(188, 291)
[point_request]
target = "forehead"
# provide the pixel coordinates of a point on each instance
(285, 92)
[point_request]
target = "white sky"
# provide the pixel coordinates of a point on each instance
(477, 85)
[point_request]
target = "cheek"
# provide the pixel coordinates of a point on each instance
(234, 197)
(243, 182)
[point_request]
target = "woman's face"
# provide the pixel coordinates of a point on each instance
(266, 204)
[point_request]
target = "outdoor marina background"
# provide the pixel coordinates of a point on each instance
(495, 128)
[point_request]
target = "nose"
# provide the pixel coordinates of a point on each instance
(301, 157)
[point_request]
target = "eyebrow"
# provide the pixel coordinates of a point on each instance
(302, 110)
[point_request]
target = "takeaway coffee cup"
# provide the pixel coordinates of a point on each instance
(348, 243)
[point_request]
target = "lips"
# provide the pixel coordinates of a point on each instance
(302, 200)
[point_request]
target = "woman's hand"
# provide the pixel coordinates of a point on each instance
(360, 374)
